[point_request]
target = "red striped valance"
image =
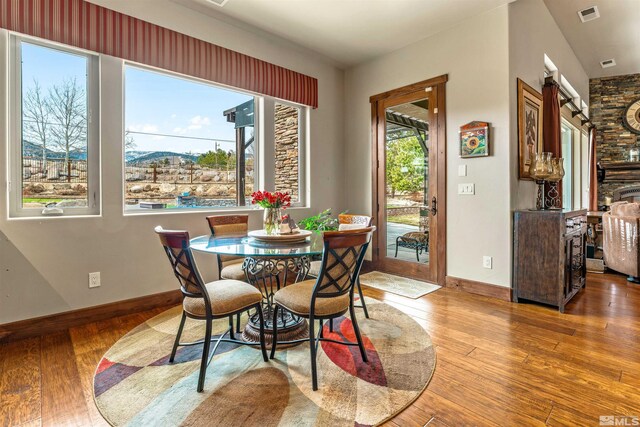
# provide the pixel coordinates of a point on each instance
(95, 28)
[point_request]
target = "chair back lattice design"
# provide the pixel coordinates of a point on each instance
(228, 225)
(341, 261)
(176, 246)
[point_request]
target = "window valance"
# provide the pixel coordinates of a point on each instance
(88, 26)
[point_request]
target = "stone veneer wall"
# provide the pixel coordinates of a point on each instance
(286, 133)
(609, 98)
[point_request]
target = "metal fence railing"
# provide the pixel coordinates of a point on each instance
(35, 169)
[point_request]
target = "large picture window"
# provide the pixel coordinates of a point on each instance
(187, 144)
(55, 149)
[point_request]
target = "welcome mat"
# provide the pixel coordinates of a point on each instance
(409, 288)
(136, 385)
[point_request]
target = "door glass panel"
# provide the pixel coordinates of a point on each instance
(407, 181)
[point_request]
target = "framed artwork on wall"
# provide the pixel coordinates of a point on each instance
(474, 139)
(529, 126)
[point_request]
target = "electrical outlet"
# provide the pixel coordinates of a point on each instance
(487, 262)
(94, 280)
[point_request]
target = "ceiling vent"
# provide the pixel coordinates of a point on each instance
(608, 63)
(589, 14)
(218, 2)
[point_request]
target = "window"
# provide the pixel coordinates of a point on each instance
(575, 151)
(187, 144)
(567, 154)
(288, 149)
(55, 158)
(584, 163)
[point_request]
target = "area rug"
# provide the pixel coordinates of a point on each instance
(136, 385)
(397, 285)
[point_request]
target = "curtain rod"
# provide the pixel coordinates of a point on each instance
(567, 99)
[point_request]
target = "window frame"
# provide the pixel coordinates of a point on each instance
(580, 155)
(14, 161)
(302, 149)
(258, 140)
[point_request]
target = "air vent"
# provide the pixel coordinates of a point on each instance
(608, 63)
(589, 14)
(218, 2)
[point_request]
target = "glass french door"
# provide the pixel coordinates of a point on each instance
(407, 151)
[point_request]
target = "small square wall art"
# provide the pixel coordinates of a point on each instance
(474, 140)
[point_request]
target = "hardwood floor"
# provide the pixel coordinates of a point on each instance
(498, 363)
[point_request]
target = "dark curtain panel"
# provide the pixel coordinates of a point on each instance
(593, 173)
(551, 126)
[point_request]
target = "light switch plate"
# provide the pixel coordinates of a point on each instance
(462, 170)
(467, 189)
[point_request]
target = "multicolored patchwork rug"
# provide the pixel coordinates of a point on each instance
(136, 385)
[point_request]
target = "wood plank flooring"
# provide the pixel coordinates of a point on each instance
(498, 363)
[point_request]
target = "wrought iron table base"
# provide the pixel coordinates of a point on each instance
(269, 275)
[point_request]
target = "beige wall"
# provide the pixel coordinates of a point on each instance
(533, 33)
(44, 263)
(475, 56)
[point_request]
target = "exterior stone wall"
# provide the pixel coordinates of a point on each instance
(609, 98)
(286, 134)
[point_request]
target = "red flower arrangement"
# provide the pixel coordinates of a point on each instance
(267, 199)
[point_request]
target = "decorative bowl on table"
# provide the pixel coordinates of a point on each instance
(293, 237)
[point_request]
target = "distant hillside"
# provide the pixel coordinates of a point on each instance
(30, 149)
(153, 156)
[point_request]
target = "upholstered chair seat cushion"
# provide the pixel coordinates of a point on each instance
(297, 299)
(227, 296)
(233, 271)
(421, 237)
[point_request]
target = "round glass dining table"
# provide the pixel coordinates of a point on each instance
(268, 266)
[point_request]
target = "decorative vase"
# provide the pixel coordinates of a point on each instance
(272, 220)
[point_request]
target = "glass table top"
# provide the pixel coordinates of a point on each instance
(249, 247)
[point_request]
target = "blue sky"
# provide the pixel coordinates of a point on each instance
(154, 102)
(159, 103)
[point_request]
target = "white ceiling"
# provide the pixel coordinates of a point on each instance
(347, 31)
(616, 34)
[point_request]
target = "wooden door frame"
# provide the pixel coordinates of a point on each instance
(378, 131)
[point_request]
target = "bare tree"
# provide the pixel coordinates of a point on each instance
(69, 110)
(37, 114)
(129, 142)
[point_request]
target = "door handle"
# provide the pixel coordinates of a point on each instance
(434, 206)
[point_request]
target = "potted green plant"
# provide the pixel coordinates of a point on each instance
(320, 222)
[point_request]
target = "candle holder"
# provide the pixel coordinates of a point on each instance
(552, 199)
(540, 170)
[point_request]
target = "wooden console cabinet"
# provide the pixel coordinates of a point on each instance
(549, 260)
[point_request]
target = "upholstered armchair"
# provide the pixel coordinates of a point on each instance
(620, 239)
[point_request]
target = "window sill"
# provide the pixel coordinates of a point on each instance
(52, 217)
(205, 210)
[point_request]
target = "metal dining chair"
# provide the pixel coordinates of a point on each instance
(230, 266)
(330, 295)
(347, 222)
(207, 301)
